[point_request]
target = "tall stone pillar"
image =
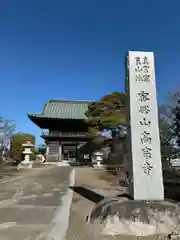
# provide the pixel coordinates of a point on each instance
(144, 140)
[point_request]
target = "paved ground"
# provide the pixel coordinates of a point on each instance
(32, 203)
(100, 185)
(98, 182)
(35, 204)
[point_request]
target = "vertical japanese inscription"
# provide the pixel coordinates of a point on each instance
(142, 70)
(143, 76)
(144, 140)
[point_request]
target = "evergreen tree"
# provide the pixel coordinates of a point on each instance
(107, 114)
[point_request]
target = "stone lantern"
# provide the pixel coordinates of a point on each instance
(97, 158)
(27, 163)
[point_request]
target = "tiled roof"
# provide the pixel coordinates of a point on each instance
(64, 109)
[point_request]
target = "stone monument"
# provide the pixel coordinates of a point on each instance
(143, 134)
(147, 213)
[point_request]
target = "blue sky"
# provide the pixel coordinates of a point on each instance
(75, 50)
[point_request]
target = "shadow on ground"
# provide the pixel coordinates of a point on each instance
(87, 193)
(172, 185)
(172, 192)
(92, 195)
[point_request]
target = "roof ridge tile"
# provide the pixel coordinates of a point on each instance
(69, 101)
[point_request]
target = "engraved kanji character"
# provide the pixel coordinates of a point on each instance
(144, 109)
(138, 78)
(147, 153)
(138, 67)
(145, 61)
(138, 61)
(146, 138)
(146, 78)
(143, 96)
(145, 122)
(143, 78)
(145, 66)
(147, 167)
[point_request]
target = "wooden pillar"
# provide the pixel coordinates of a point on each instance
(76, 151)
(47, 149)
(60, 151)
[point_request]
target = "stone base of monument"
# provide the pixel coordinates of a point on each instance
(120, 216)
(25, 164)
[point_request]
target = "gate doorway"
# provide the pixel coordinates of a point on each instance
(69, 153)
(69, 156)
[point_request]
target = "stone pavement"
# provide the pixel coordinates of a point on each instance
(104, 185)
(92, 179)
(31, 204)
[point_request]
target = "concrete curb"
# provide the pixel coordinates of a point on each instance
(61, 221)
